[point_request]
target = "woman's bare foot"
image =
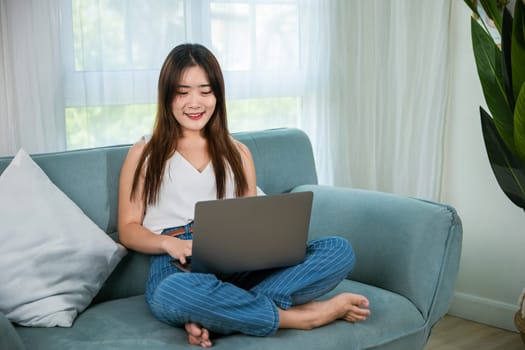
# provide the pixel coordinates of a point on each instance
(197, 335)
(345, 306)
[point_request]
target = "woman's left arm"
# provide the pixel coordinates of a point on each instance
(249, 169)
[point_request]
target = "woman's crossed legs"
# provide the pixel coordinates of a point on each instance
(284, 299)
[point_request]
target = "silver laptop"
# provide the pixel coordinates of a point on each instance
(250, 233)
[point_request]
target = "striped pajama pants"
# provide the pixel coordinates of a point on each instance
(245, 302)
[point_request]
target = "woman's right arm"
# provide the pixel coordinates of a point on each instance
(132, 233)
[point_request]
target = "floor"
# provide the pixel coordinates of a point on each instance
(452, 333)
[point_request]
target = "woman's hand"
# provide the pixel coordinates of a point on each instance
(177, 248)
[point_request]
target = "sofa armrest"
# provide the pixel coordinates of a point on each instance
(405, 245)
(9, 338)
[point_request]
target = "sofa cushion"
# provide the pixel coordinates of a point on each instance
(54, 258)
(127, 323)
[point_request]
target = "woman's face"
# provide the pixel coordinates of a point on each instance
(194, 102)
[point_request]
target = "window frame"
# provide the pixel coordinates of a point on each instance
(95, 88)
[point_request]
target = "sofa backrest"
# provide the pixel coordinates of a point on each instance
(283, 159)
(90, 177)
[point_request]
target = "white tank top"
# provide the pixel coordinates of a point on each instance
(182, 186)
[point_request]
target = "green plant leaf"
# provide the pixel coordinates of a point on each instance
(506, 39)
(473, 4)
(491, 8)
(518, 48)
(489, 64)
(508, 170)
(519, 123)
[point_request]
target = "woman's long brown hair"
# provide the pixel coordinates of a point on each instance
(167, 131)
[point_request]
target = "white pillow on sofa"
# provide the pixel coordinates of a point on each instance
(53, 258)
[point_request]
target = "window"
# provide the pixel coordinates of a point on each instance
(113, 51)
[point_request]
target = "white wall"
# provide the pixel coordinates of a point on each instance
(492, 269)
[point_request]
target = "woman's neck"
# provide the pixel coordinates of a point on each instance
(194, 148)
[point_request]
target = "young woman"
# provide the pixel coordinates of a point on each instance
(190, 157)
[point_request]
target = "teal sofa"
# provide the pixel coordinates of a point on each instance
(407, 249)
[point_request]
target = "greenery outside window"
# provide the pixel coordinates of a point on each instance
(113, 51)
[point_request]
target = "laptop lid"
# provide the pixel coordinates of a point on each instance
(251, 233)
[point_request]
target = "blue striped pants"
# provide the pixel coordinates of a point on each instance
(246, 302)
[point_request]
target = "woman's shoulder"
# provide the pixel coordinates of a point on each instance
(135, 151)
(243, 149)
(248, 166)
(245, 153)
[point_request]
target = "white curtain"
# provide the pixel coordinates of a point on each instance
(114, 50)
(31, 96)
(379, 122)
(367, 80)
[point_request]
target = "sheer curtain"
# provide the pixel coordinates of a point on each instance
(378, 121)
(31, 96)
(367, 80)
(114, 50)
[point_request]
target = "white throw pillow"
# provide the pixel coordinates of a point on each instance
(53, 258)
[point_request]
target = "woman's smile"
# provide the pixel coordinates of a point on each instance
(195, 116)
(194, 102)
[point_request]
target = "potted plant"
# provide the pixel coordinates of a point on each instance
(498, 40)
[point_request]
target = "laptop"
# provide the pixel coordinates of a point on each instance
(249, 233)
